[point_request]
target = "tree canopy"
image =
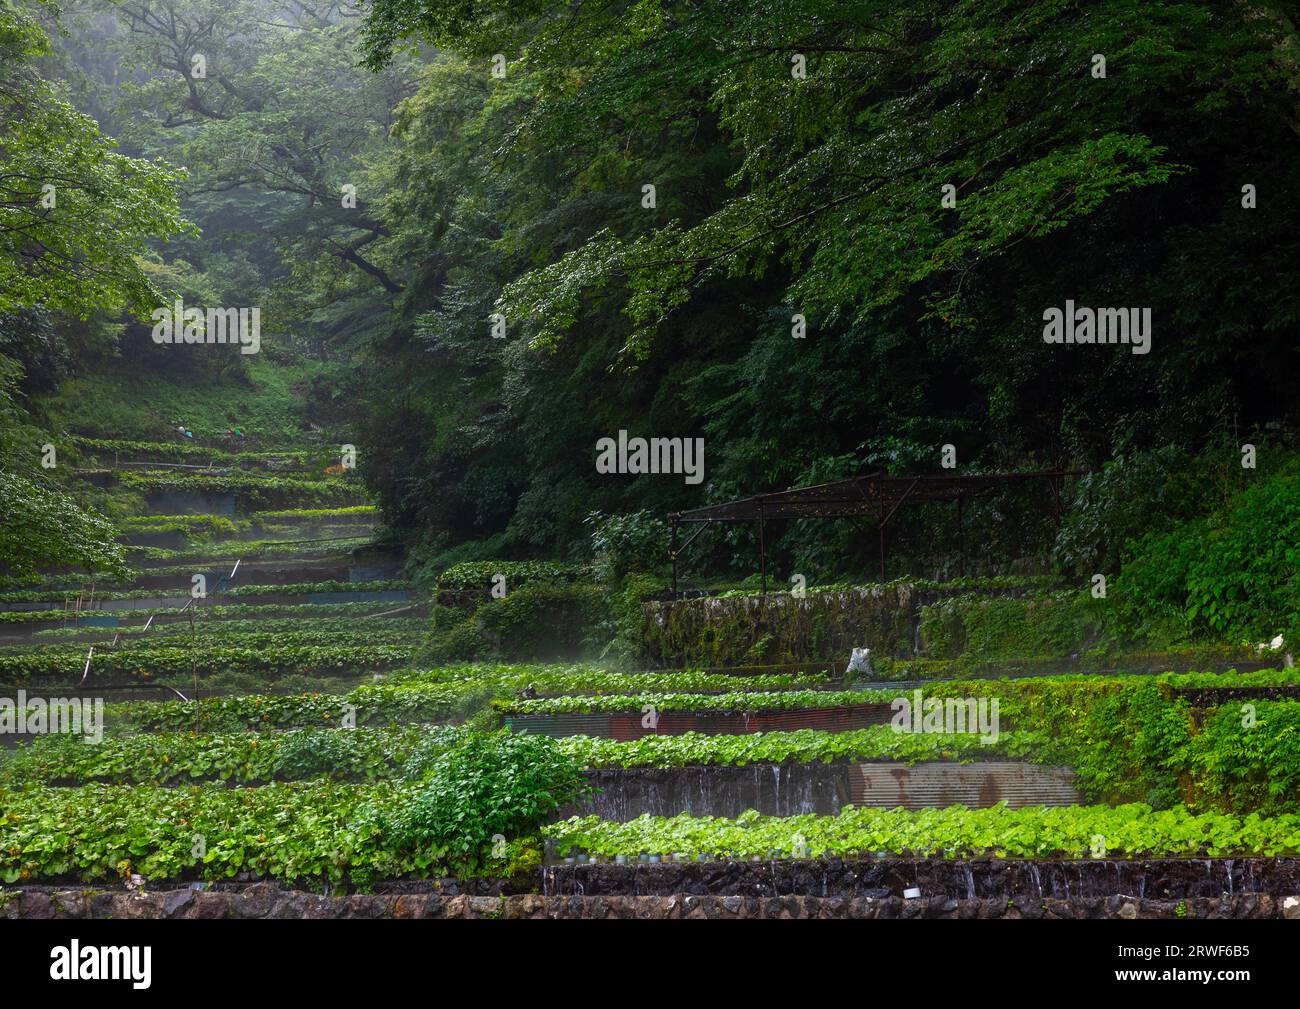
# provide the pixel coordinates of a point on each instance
(821, 234)
(75, 215)
(799, 155)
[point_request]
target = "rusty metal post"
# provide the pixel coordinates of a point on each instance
(672, 551)
(882, 536)
(961, 542)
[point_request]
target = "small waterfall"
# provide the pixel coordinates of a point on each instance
(1038, 882)
(970, 883)
(652, 797)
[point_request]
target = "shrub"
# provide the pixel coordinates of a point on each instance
(255, 493)
(1230, 575)
(1125, 737)
(498, 783)
(1129, 497)
(979, 627)
(428, 558)
(622, 628)
(44, 527)
(1250, 763)
(628, 543)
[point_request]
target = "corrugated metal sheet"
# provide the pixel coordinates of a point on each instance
(938, 784)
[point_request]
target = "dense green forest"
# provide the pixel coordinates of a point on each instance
(822, 237)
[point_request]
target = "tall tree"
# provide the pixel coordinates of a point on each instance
(75, 215)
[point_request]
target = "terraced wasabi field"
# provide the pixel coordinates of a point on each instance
(283, 729)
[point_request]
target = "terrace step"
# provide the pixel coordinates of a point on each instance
(175, 540)
(358, 567)
(109, 623)
(97, 628)
(824, 789)
(628, 726)
(177, 601)
(250, 563)
(268, 572)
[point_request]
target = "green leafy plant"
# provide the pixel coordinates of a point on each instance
(253, 492)
(151, 662)
(479, 575)
(296, 833)
(1131, 831)
(757, 700)
(801, 746)
(627, 543)
(496, 784)
(44, 527)
(64, 585)
(1229, 575)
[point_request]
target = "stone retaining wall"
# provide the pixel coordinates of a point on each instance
(268, 901)
(740, 630)
(1022, 880)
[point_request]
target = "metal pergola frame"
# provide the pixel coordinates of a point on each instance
(874, 495)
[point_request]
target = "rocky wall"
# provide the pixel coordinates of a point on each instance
(266, 901)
